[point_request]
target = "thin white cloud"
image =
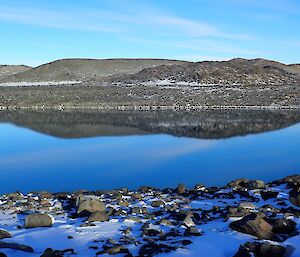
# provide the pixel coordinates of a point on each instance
(199, 45)
(54, 19)
(123, 19)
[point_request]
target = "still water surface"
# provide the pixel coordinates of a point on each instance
(31, 160)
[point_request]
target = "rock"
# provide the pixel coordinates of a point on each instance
(246, 183)
(98, 216)
(293, 181)
(56, 253)
(45, 194)
(50, 253)
(152, 249)
(256, 184)
(136, 210)
(16, 246)
(254, 224)
(266, 250)
(87, 204)
(38, 220)
(238, 183)
(268, 194)
(188, 221)
(157, 203)
(242, 252)
(4, 234)
(181, 189)
(284, 226)
(192, 231)
(260, 250)
(166, 222)
(14, 197)
(134, 219)
(295, 197)
(3, 255)
(136, 196)
(116, 249)
(123, 203)
(151, 232)
(199, 187)
(246, 205)
(146, 189)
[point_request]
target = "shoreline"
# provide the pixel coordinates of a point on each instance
(248, 216)
(153, 108)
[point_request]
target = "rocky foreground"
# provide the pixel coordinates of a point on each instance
(245, 218)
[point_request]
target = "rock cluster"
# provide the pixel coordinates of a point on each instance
(162, 221)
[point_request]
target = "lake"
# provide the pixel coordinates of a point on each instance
(66, 151)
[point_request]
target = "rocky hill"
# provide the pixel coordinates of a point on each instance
(86, 69)
(9, 70)
(234, 72)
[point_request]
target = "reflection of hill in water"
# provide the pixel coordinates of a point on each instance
(200, 124)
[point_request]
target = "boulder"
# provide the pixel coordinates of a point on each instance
(192, 231)
(293, 181)
(188, 220)
(238, 183)
(284, 226)
(16, 246)
(112, 250)
(123, 203)
(136, 196)
(157, 203)
(254, 224)
(256, 184)
(295, 197)
(98, 216)
(181, 188)
(56, 253)
(266, 195)
(51, 253)
(4, 234)
(87, 204)
(260, 250)
(246, 183)
(38, 220)
(152, 249)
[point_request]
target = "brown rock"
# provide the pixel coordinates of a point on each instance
(98, 216)
(4, 234)
(38, 220)
(255, 225)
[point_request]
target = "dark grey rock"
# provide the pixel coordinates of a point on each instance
(15, 246)
(284, 226)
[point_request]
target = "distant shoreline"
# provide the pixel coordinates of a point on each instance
(150, 108)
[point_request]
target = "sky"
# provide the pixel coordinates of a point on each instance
(34, 32)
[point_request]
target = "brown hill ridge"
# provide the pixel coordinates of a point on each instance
(9, 70)
(86, 69)
(233, 72)
(237, 71)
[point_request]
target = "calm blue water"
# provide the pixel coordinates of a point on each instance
(33, 161)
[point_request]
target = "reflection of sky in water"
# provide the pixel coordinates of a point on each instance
(32, 161)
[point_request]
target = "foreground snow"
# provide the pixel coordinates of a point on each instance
(216, 238)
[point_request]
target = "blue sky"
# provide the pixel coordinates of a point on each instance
(35, 31)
